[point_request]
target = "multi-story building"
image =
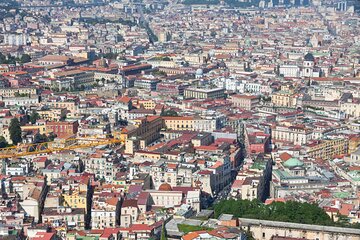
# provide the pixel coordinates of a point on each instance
(62, 127)
(351, 107)
(162, 173)
(247, 102)
(170, 88)
(327, 149)
(296, 134)
(15, 92)
(246, 188)
(289, 71)
(148, 84)
(70, 106)
(95, 129)
(55, 60)
(75, 79)
(145, 131)
(204, 93)
(105, 211)
(53, 114)
(129, 212)
(191, 123)
(70, 218)
(20, 101)
(284, 99)
(76, 198)
(16, 39)
(102, 166)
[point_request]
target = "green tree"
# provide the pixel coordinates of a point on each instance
(2, 59)
(34, 117)
(3, 142)
(159, 73)
(15, 131)
(169, 113)
(163, 232)
(51, 137)
(40, 138)
(290, 211)
(25, 58)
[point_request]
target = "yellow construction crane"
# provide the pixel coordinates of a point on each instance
(56, 146)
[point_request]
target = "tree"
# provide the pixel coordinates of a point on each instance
(289, 211)
(25, 58)
(15, 131)
(51, 137)
(169, 113)
(34, 117)
(163, 232)
(2, 58)
(159, 73)
(40, 138)
(3, 142)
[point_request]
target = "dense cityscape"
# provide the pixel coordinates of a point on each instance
(184, 119)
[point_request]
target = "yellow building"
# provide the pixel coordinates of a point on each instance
(6, 134)
(147, 104)
(150, 155)
(75, 199)
(71, 107)
(354, 143)
(283, 99)
(13, 92)
(179, 123)
(145, 131)
(54, 114)
(327, 149)
(40, 128)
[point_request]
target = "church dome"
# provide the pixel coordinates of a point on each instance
(293, 162)
(165, 187)
(309, 57)
(199, 72)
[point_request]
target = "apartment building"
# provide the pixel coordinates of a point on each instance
(296, 134)
(148, 84)
(247, 102)
(327, 149)
(62, 128)
(14, 92)
(76, 78)
(283, 99)
(75, 198)
(246, 188)
(71, 218)
(129, 212)
(70, 106)
(204, 93)
(190, 123)
(351, 107)
(105, 211)
(145, 131)
(53, 114)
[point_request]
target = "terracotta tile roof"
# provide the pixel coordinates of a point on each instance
(285, 156)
